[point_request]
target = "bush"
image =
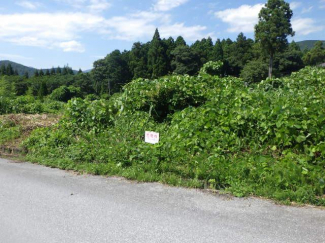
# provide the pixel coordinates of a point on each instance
(254, 72)
(65, 93)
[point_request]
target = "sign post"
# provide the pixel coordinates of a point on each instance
(152, 137)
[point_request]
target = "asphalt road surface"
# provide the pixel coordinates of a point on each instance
(43, 205)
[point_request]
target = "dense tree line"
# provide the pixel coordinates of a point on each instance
(161, 57)
(242, 58)
(64, 87)
(269, 55)
(8, 70)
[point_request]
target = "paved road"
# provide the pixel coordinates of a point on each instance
(43, 205)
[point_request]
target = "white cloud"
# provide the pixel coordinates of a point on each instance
(29, 5)
(295, 5)
(47, 29)
(73, 3)
(14, 57)
(65, 30)
(322, 4)
(71, 46)
(307, 10)
(191, 33)
(143, 24)
(98, 5)
(242, 19)
(166, 5)
(134, 26)
(305, 26)
(91, 5)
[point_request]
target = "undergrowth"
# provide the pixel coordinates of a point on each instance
(266, 140)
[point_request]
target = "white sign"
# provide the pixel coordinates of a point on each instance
(152, 137)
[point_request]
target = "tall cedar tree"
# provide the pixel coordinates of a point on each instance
(99, 74)
(111, 73)
(217, 53)
(185, 60)
(3, 70)
(273, 28)
(205, 50)
(138, 60)
(157, 59)
(58, 70)
(10, 70)
(239, 53)
(180, 41)
(169, 46)
(36, 74)
(26, 75)
(42, 90)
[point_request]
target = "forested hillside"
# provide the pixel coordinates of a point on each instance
(20, 69)
(12, 68)
(307, 44)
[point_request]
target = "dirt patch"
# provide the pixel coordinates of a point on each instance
(26, 124)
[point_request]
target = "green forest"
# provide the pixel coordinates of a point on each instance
(245, 117)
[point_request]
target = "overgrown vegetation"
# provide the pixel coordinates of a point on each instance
(238, 135)
(265, 139)
(15, 128)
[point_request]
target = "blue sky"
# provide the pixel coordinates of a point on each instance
(50, 33)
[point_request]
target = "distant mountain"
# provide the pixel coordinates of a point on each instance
(21, 69)
(307, 44)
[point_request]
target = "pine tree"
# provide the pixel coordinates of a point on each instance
(180, 41)
(157, 59)
(217, 53)
(42, 90)
(3, 70)
(41, 73)
(7, 88)
(273, 28)
(36, 73)
(65, 70)
(138, 61)
(58, 70)
(204, 48)
(239, 53)
(52, 71)
(10, 70)
(185, 61)
(47, 73)
(26, 75)
(80, 71)
(169, 46)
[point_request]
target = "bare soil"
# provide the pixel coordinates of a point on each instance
(27, 123)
